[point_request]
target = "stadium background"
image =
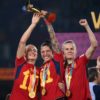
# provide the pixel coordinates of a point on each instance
(14, 21)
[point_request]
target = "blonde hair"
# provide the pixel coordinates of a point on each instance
(72, 42)
(30, 46)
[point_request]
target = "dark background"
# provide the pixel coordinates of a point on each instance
(14, 21)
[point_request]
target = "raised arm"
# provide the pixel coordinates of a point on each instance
(26, 35)
(53, 38)
(92, 38)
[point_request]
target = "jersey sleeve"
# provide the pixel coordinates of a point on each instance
(19, 61)
(83, 59)
(58, 56)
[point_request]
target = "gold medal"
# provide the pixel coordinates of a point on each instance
(32, 94)
(68, 93)
(43, 91)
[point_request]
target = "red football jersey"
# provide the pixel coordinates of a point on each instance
(22, 83)
(79, 85)
(53, 77)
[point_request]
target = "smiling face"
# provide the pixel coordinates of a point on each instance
(69, 50)
(46, 53)
(31, 52)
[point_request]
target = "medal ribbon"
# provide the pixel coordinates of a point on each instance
(33, 80)
(45, 70)
(68, 75)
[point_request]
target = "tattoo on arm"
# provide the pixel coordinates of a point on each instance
(53, 38)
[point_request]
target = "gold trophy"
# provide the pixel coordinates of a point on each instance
(30, 8)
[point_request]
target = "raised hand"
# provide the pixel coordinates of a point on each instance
(43, 13)
(83, 22)
(36, 16)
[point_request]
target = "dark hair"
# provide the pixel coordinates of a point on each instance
(47, 43)
(92, 73)
(65, 63)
